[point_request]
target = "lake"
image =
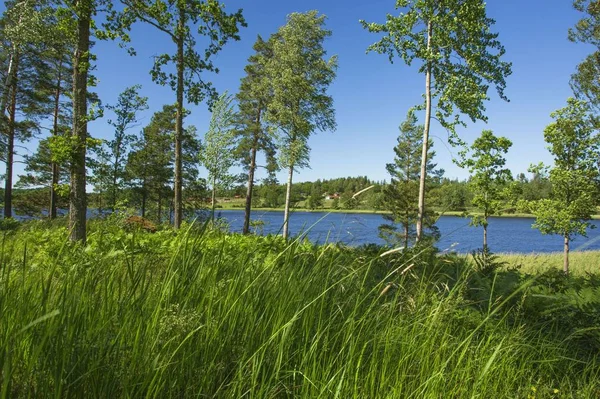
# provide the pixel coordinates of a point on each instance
(505, 234)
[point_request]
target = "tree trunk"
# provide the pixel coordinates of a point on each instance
(566, 257)
(159, 207)
(113, 200)
(178, 186)
(55, 169)
(77, 197)
(288, 196)
(423, 175)
(485, 241)
(144, 196)
(407, 187)
(10, 144)
(8, 83)
(214, 199)
(251, 171)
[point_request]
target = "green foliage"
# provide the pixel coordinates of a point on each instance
(454, 40)
(217, 153)
(258, 225)
(300, 77)
(185, 22)
(401, 196)
(315, 200)
(150, 168)
(574, 143)
(335, 203)
(252, 131)
(490, 178)
(9, 224)
(137, 314)
(584, 81)
(38, 168)
(253, 100)
(109, 171)
(486, 262)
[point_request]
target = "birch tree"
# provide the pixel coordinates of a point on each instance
(574, 144)
(300, 105)
(459, 56)
(217, 154)
(489, 177)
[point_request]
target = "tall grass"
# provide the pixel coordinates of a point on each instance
(581, 262)
(204, 314)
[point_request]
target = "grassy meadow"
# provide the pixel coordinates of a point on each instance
(582, 262)
(204, 314)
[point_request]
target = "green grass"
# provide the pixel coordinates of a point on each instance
(580, 262)
(201, 313)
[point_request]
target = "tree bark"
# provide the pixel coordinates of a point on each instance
(214, 199)
(10, 144)
(8, 83)
(288, 196)
(159, 207)
(77, 197)
(251, 171)
(144, 196)
(178, 186)
(113, 200)
(485, 240)
(55, 169)
(566, 256)
(423, 176)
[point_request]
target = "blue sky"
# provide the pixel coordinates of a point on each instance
(371, 95)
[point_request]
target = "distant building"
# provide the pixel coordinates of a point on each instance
(329, 196)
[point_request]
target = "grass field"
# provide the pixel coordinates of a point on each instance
(581, 262)
(201, 313)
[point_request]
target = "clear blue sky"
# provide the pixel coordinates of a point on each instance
(371, 95)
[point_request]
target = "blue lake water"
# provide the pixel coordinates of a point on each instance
(505, 234)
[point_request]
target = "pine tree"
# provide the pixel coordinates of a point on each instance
(110, 166)
(39, 172)
(21, 38)
(300, 77)
(254, 135)
(178, 20)
(401, 196)
(150, 167)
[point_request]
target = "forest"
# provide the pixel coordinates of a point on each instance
(117, 280)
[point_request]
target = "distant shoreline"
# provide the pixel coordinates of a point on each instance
(377, 212)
